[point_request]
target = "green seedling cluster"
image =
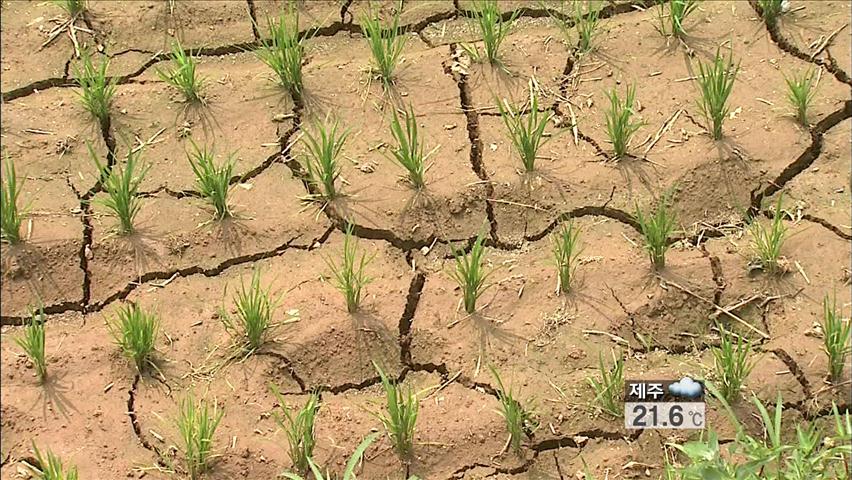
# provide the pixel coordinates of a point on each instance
(197, 422)
(584, 18)
(526, 131)
(837, 333)
(32, 342)
(72, 7)
(400, 417)
(673, 23)
(493, 29)
(520, 420)
(656, 227)
(471, 273)
(121, 185)
(350, 276)
(51, 467)
(620, 125)
(322, 149)
(566, 250)
(767, 241)
(386, 45)
(408, 152)
(351, 465)
(253, 323)
(770, 10)
(284, 52)
(96, 89)
(715, 82)
(732, 364)
(135, 332)
(11, 215)
(609, 386)
(213, 181)
(299, 427)
(801, 88)
(183, 76)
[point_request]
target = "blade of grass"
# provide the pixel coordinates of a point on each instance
(672, 24)
(526, 133)
(97, 91)
(409, 150)
(386, 45)
(493, 29)
(299, 427)
(619, 125)
(836, 337)
(323, 147)
(731, 363)
(801, 89)
(520, 420)
(11, 216)
(350, 277)
(197, 423)
(121, 185)
(212, 181)
(135, 332)
(470, 273)
(52, 467)
(656, 229)
(255, 306)
(32, 342)
(183, 76)
(566, 249)
(284, 52)
(715, 82)
(609, 387)
(767, 242)
(401, 416)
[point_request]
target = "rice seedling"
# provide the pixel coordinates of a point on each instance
(527, 134)
(716, 81)
(566, 249)
(609, 387)
(135, 332)
(770, 10)
(32, 342)
(801, 88)
(656, 228)
(284, 52)
(471, 274)
(350, 277)
(351, 465)
(10, 215)
(299, 427)
(72, 7)
(197, 422)
(520, 420)
(51, 467)
(401, 416)
(409, 150)
(386, 45)
(731, 363)
(493, 28)
(587, 24)
(255, 307)
(323, 147)
(183, 75)
(121, 185)
(836, 336)
(212, 181)
(672, 24)
(97, 91)
(766, 242)
(619, 124)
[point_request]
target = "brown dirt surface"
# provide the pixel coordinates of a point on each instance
(96, 412)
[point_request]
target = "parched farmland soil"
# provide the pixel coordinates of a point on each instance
(95, 412)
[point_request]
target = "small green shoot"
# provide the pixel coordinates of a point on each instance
(97, 91)
(566, 250)
(11, 216)
(32, 342)
(731, 363)
(135, 332)
(197, 423)
(716, 81)
(253, 323)
(656, 229)
(350, 277)
(299, 427)
(619, 124)
(836, 334)
(386, 45)
(770, 10)
(801, 88)
(121, 185)
(401, 416)
(493, 28)
(183, 75)
(587, 23)
(520, 420)
(351, 465)
(51, 467)
(766, 242)
(527, 134)
(671, 25)
(284, 52)
(73, 8)
(212, 181)
(409, 150)
(471, 275)
(323, 147)
(609, 387)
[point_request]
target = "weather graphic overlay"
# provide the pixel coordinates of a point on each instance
(677, 404)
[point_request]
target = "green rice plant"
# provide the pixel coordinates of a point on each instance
(135, 332)
(770, 10)
(766, 242)
(471, 274)
(656, 228)
(587, 23)
(566, 250)
(11, 215)
(520, 420)
(836, 334)
(299, 427)
(183, 75)
(351, 465)
(72, 7)
(409, 150)
(350, 277)
(284, 52)
(493, 28)
(386, 45)
(51, 468)
(323, 147)
(672, 24)
(97, 91)
(620, 126)
(212, 181)
(121, 185)
(609, 387)
(527, 134)
(716, 81)
(731, 363)
(255, 307)
(197, 422)
(401, 416)
(32, 342)
(801, 88)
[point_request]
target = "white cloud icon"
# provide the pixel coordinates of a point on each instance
(686, 387)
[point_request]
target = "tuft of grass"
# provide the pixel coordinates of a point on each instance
(284, 52)
(836, 335)
(609, 387)
(135, 332)
(587, 23)
(672, 24)
(766, 241)
(401, 417)
(212, 181)
(32, 342)
(299, 427)
(350, 277)
(121, 185)
(656, 228)
(801, 88)
(386, 45)
(11, 216)
(715, 82)
(409, 150)
(197, 422)
(470, 273)
(52, 467)
(323, 147)
(620, 126)
(731, 363)
(566, 249)
(97, 91)
(770, 10)
(255, 307)
(520, 420)
(351, 465)
(493, 28)
(527, 134)
(183, 75)
(73, 8)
